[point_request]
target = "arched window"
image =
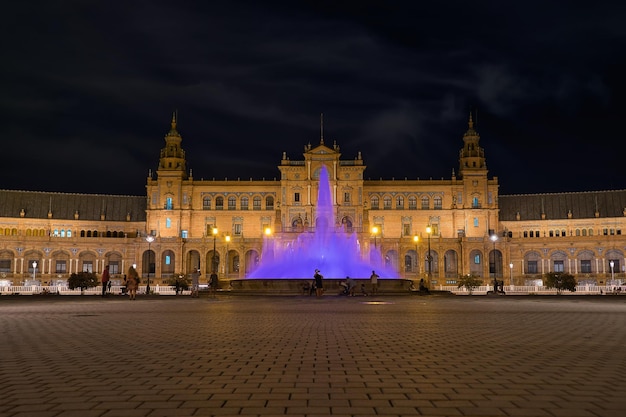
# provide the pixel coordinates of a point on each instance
(387, 202)
(244, 203)
(269, 203)
(206, 203)
(412, 203)
(425, 203)
(374, 203)
(256, 203)
(438, 203)
(219, 203)
(400, 203)
(232, 202)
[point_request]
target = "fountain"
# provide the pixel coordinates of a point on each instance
(332, 250)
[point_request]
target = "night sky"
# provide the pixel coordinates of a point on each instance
(88, 89)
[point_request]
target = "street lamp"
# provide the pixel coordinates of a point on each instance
(612, 265)
(149, 239)
(429, 230)
(494, 238)
(374, 232)
(511, 268)
(227, 238)
(34, 270)
(213, 259)
(416, 239)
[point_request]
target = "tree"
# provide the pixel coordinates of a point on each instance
(561, 281)
(82, 280)
(469, 282)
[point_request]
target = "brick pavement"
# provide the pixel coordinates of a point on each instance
(302, 356)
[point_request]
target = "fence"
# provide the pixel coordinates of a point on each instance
(63, 290)
(537, 290)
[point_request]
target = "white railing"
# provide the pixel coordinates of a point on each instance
(62, 290)
(534, 289)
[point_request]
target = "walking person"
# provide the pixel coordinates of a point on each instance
(132, 282)
(374, 281)
(105, 280)
(319, 283)
(213, 283)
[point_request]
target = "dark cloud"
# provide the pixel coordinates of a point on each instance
(89, 89)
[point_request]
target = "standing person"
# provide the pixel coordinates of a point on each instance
(132, 282)
(213, 283)
(105, 280)
(351, 286)
(374, 281)
(319, 283)
(195, 283)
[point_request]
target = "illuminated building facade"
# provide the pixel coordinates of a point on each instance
(220, 224)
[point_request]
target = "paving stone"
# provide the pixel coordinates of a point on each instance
(299, 356)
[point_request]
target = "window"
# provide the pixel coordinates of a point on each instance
(87, 266)
(269, 203)
(400, 203)
(438, 203)
(412, 203)
(387, 203)
(475, 221)
(558, 266)
(256, 203)
(406, 229)
(168, 203)
(232, 202)
(206, 203)
(168, 222)
(296, 197)
(374, 203)
(168, 260)
(477, 259)
(425, 203)
(61, 267)
(69, 233)
(184, 234)
(475, 203)
(346, 198)
(5, 265)
(114, 267)
(219, 203)
(459, 198)
(244, 203)
(585, 266)
(237, 229)
(532, 267)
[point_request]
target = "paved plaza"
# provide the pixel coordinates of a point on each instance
(65, 356)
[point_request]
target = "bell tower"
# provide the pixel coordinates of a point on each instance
(172, 163)
(472, 156)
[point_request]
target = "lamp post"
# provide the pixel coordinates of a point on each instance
(34, 270)
(429, 230)
(416, 239)
(149, 239)
(213, 266)
(511, 277)
(494, 238)
(374, 232)
(612, 265)
(226, 268)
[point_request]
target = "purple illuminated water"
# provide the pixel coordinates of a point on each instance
(330, 249)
